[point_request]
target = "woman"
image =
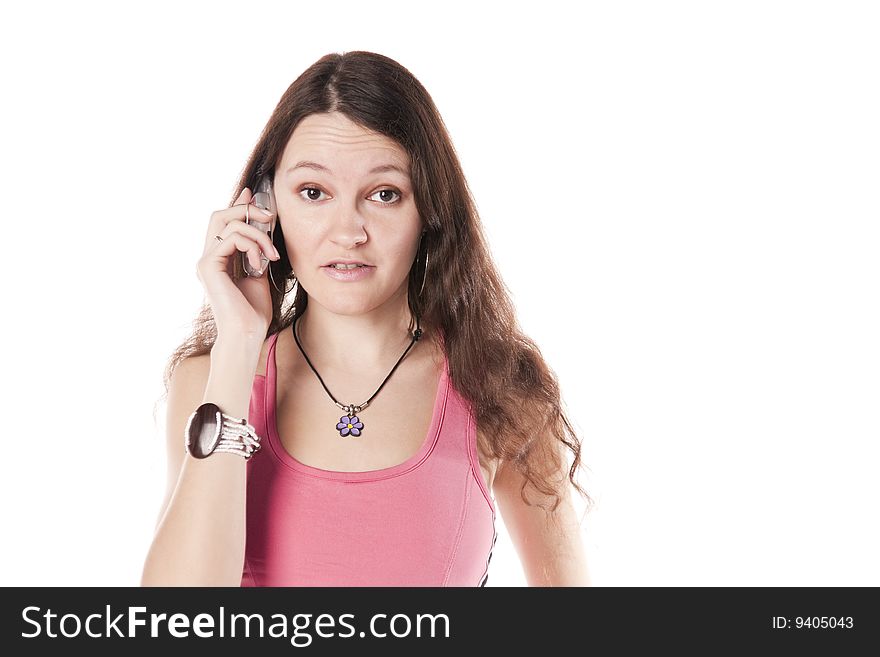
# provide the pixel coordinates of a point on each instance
(442, 407)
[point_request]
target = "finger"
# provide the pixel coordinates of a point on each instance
(244, 210)
(235, 243)
(238, 205)
(256, 234)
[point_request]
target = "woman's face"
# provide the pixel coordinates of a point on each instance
(347, 211)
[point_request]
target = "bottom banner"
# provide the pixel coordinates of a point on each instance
(395, 621)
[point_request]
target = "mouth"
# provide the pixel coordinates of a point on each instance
(349, 272)
(343, 266)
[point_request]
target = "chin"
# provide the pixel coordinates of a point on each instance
(344, 302)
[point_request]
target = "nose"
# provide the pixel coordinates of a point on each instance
(348, 229)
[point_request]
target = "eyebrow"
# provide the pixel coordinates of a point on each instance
(382, 168)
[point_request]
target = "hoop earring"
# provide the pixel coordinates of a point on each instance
(285, 292)
(425, 274)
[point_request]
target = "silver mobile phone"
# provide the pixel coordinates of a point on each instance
(264, 197)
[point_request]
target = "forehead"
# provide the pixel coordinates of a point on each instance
(338, 143)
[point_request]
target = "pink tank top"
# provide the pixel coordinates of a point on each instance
(429, 521)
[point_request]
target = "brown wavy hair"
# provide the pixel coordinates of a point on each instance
(514, 394)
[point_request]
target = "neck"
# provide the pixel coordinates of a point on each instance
(365, 342)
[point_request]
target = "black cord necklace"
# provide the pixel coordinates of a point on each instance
(350, 423)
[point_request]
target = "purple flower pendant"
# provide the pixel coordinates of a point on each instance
(349, 425)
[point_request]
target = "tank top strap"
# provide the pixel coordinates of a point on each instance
(270, 354)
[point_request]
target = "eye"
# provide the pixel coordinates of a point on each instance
(389, 191)
(311, 188)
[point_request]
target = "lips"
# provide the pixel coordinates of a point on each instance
(349, 275)
(347, 262)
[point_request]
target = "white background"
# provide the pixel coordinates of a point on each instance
(681, 196)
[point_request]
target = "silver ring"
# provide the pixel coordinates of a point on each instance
(247, 214)
(218, 238)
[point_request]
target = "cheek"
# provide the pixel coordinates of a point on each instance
(298, 246)
(404, 253)
(298, 235)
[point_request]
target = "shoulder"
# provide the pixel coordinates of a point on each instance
(186, 388)
(187, 383)
(191, 368)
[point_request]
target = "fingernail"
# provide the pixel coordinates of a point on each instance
(265, 212)
(277, 255)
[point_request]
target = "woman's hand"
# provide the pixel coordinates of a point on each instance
(242, 306)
